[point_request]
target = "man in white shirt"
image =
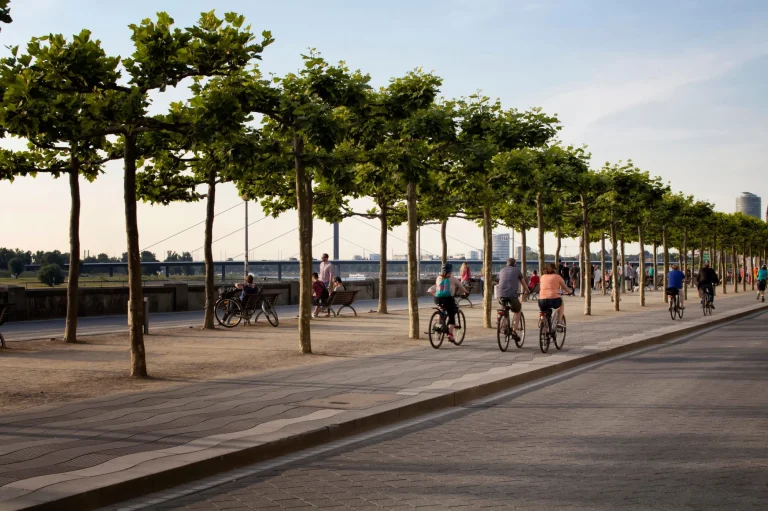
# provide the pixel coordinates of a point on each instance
(326, 271)
(598, 279)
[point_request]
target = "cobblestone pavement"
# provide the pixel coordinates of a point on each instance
(87, 445)
(681, 426)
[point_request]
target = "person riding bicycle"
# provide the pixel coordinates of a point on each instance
(549, 292)
(708, 279)
(446, 288)
(510, 281)
(762, 277)
(248, 288)
(675, 279)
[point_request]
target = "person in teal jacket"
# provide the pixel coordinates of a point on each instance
(762, 277)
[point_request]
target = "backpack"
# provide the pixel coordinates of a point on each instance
(444, 289)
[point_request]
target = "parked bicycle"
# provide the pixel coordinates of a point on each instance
(464, 299)
(506, 331)
(438, 326)
(674, 305)
(230, 309)
(550, 331)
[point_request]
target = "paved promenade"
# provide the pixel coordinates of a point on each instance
(678, 427)
(137, 443)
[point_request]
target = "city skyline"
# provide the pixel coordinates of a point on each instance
(679, 94)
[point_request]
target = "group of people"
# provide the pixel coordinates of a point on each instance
(324, 282)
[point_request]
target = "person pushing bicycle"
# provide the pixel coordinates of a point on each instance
(446, 288)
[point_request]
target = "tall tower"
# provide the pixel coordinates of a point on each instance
(749, 204)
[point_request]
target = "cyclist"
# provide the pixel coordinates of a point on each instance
(549, 292)
(248, 287)
(762, 277)
(675, 279)
(446, 287)
(510, 280)
(708, 279)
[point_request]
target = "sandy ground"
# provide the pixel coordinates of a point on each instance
(36, 373)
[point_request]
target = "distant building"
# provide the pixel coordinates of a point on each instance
(501, 246)
(374, 257)
(399, 257)
(749, 204)
(475, 255)
(357, 257)
(458, 256)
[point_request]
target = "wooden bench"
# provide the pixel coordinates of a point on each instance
(343, 299)
(3, 318)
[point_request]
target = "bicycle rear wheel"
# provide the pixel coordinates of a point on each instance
(460, 328)
(502, 333)
(436, 330)
(544, 335)
(705, 306)
(270, 313)
(680, 310)
(672, 312)
(520, 340)
(228, 312)
(560, 334)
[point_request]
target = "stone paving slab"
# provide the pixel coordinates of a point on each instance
(91, 453)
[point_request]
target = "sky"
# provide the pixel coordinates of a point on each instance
(678, 87)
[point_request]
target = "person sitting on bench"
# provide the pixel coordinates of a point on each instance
(319, 295)
(338, 285)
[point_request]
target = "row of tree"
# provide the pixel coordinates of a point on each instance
(324, 137)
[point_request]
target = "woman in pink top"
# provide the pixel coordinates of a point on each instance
(549, 292)
(466, 275)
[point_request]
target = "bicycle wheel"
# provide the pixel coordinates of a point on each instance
(460, 328)
(544, 336)
(561, 331)
(680, 310)
(672, 312)
(228, 312)
(436, 330)
(704, 307)
(502, 333)
(520, 340)
(270, 313)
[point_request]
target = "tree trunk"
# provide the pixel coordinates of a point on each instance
(135, 293)
(304, 210)
(73, 279)
(540, 226)
(623, 266)
(210, 284)
(559, 234)
(487, 266)
(744, 269)
(723, 269)
(524, 252)
(701, 255)
(735, 266)
(615, 272)
(655, 261)
(444, 241)
(602, 263)
(414, 279)
(383, 291)
(684, 253)
(641, 267)
(665, 249)
(586, 272)
(751, 268)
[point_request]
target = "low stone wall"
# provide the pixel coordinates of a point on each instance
(50, 303)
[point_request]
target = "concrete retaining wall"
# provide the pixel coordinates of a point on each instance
(49, 303)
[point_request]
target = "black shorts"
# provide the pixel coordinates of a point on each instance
(761, 285)
(672, 291)
(550, 304)
(514, 304)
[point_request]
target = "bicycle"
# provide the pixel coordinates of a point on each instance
(548, 330)
(504, 330)
(438, 326)
(706, 303)
(674, 306)
(465, 298)
(230, 310)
